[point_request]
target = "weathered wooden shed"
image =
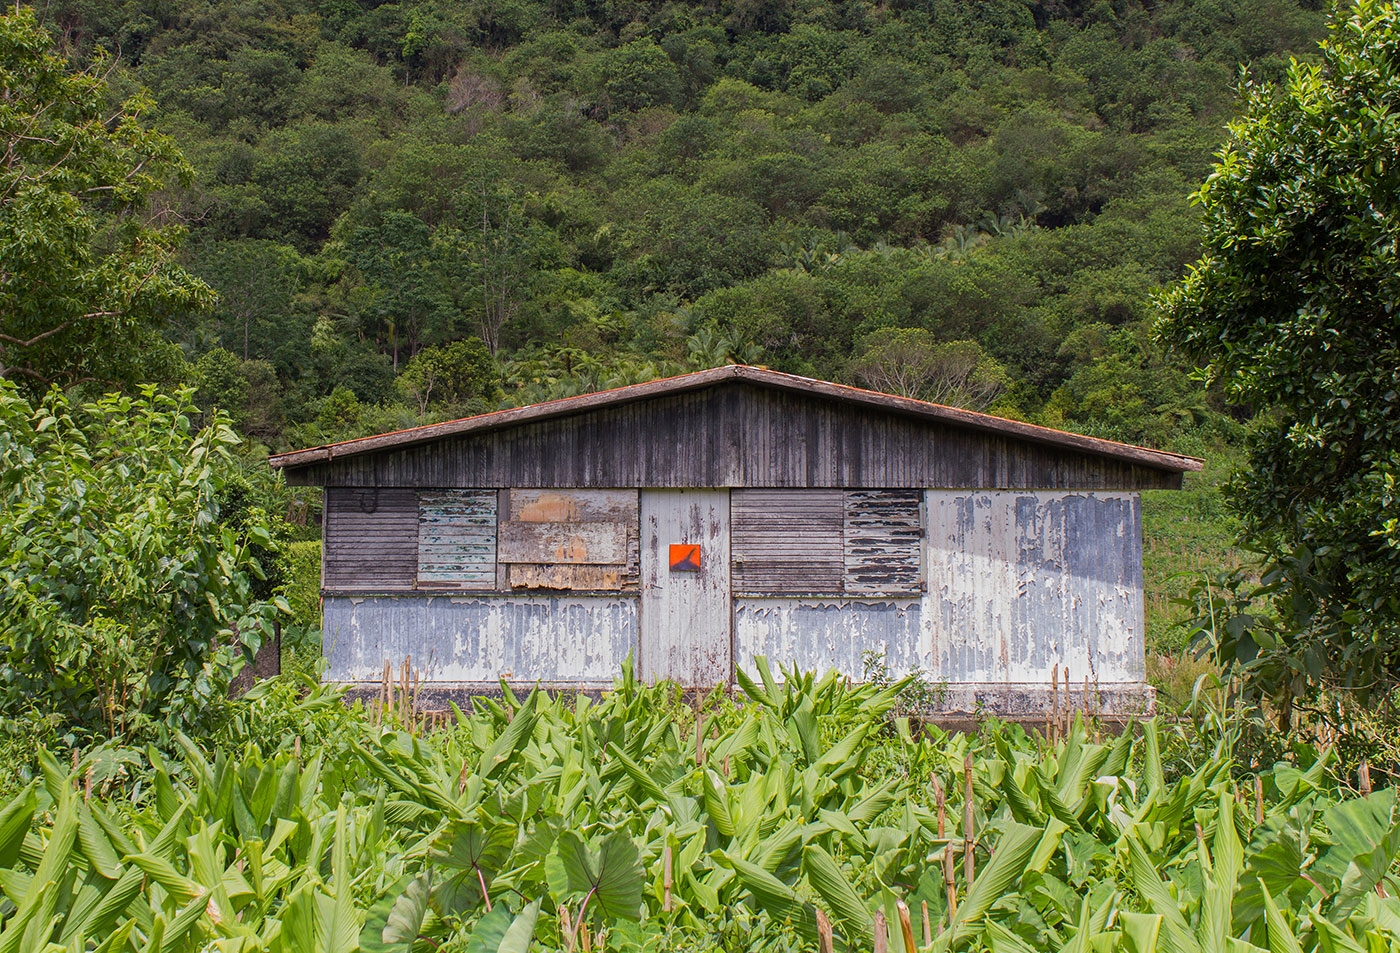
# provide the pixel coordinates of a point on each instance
(702, 521)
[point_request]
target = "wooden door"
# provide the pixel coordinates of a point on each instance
(685, 623)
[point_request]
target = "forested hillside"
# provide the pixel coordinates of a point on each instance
(970, 202)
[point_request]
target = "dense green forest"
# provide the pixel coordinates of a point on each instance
(969, 202)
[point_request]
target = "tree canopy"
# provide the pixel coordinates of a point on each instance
(88, 278)
(1295, 308)
(602, 193)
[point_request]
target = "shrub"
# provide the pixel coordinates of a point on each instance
(124, 605)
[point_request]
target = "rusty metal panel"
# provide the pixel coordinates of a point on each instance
(818, 635)
(457, 539)
(884, 542)
(566, 577)
(1022, 581)
(591, 544)
(574, 506)
(567, 522)
(685, 615)
(480, 639)
(788, 541)
(371, 539)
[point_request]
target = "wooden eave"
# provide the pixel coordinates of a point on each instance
(762, 377)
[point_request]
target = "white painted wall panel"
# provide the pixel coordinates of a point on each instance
(823, 634)
(1020, 581)
(468, 639)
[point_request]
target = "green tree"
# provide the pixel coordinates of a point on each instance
(88, 276)
(220, 385)
(125, 605)
(1293, 309)
(449, 374)
(912, 362)
(638, 75)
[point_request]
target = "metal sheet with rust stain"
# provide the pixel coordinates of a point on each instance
(480, 639)
(576, 578)
(573, 506)
(596, 544)
(1021, 581)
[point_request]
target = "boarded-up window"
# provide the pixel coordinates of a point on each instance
(827, 542)
(578, 540)
(371, 539)
(457, 539)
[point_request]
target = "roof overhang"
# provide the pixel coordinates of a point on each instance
(762, 377)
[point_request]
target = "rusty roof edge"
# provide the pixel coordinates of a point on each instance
(1157, 459)
(560, 407)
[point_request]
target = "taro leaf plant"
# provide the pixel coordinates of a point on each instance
(479, 837)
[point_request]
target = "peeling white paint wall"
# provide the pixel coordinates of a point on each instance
(1017, 582)
(824, 634)
(480, 639)
(1021, 581)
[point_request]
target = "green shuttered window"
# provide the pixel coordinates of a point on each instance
(457, 539)
(827, 542)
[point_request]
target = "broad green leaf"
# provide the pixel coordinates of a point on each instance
(521, 931)
(827, 878)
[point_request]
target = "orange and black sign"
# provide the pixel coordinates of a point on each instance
(685, 557)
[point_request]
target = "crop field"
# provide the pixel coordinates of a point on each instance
(804, 814)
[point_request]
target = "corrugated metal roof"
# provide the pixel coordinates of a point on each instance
(762, 377)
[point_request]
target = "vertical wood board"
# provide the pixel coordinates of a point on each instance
(734, 436)
(685, 616)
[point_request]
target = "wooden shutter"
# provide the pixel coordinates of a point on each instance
(884, 535)
(787, 541)
(457, 539)
(370, 539)
(827, 542)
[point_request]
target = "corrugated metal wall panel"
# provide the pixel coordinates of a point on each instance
(787, 541)
(819, 635)
(1020, 582)
(371, 539)
(480, 639)
(884, 542)
(457, 539)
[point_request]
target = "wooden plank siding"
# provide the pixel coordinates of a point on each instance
(735, 435)
(371, 539)
(884, 537)
(827, 542)
(786, 541)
